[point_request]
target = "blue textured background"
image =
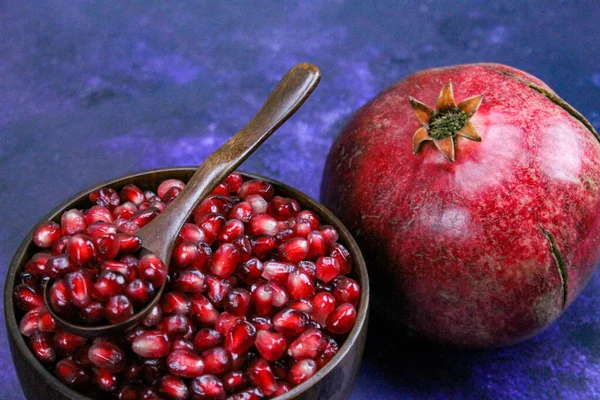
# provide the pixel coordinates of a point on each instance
(93, 90)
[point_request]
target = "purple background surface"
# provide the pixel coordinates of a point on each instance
(93, 90)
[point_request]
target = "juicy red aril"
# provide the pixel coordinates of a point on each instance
(60, 247)
(211, 224)
(132, 194)
(207, 338)
(232, 228)
(300, 285)
(250, 271)
(204, 259)
(283, 388)
(98, 229)
(316, 245)
(222, 189)
(234, 381)
(27, 298)
(105, 197)
(41, 345)
(139, 292)
(327, 268)
(235, 181)
(262, 323)
(186, 364)
(238, 301)
(153, 270)
(190, 281)
(173, 388)
(294, 250)
(342, 255)
(175, 303)
(108, 284)
(71, 373)
(331, 348)
(104, 379)
(191, 233)
(309, 344)
(212, 204)
(282, 208)
(72, 222)
(98, 214)
(277, 271)
(93, 312)
(59, 266)
(262, 299)
(128, 271)
(217, 289)
(330, 235)
(253, 393)
(302, 228)
(45, 321)
(242, 243)
(153, 317)
(202, 310)
(262, 224)
(176, 326)
(126, 226)
(80, 249)
(118, 309)
(303, 305)
(282, 237)
(79, 288)
(241, 211)
(184, 254)
(241, 337)
(182, 344)
(225, 260)
(342, 319)
(346, 290)
(270, 345)
(59, 298)
(67, 343)
(216, 360)
(224, 322)
(37, 264)
(128, 243)
(290, 322)
(280, 295)
(207, 387)
(166, 185)
(46, 234)
(255, 186)
(107, 246)
(144, 217)
(171, 194)
(302, 371)
(323, 305)
(258, 203)
(261, 375)
(262, 246)
(29, 322)
(151, 344)
(125, 210)
(107, 355)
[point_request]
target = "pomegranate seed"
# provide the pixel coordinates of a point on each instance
(182, 344)
(300, 285)
(234, 381)
(118, 309)
(262, 299)
(108, 284)
(129, 272)
(262, 246)
(316, 245)
(302, 228)
(126, 226)
(250, 271)
(80, 249)
(262, 224)
(270, 345)
(241, 337)
(342, 319)
(222, 189)
(207, 338)
(98, 229)
(261, 375)
(294, 250)
(93, 312)
(262, 323)
(258, 203)
(216, 360)
(331, 348)
(128, 243)
(72, 222)
(107, 246)
(202, 310)
(144, 217)
(235, 181)
(59, 266)
(175, 303)
(191, 233)
(27, 298)
(207, 387)
(41, 345)
(60, 247)
(71, 373)
(342, 255)
(302, 371)
(81, 356)
(211, 224)
(132, 194)
(255, 186)
(323, 305)
(67, 343)
(104, 380)
(282, 208)
(277, 271)
(309, 344)
(224, 322)
(29, 322)
(151, 344)
(128, 392)
(37, 264)
(164, 187)
(45, 321)
(171, 195)
(46, 234)
(186, 364)
(153, 317)
(105, 197)
(190, 281)
(283, 388)
(152, 270)
(330, 235)
(204, 260)
(242, 243)
(98, 214)
(139, 292)
(59, 298)
(125, 210)
(238, 301)
(290, 322)
(346, 290)
(79, 287)
(212, 204)
(184, 254)
(217, 289)
(176, 326)
(241, 211)
(283, 236)
(173, 388)
(253, 393)
(150, 394)
(303, 305)
(225, 260)
(107, 355)
(327, 269)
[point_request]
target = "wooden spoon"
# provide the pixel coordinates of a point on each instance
(159, 236)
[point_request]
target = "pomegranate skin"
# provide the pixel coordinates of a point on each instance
(488, 250)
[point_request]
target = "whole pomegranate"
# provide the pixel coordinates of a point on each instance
(474, 192)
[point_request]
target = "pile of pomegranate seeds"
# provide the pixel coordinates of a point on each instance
(257, 297)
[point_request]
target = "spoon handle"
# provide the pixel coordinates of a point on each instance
(288, 96)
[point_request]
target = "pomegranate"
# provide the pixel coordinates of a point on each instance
(243, 313)
(473, 191)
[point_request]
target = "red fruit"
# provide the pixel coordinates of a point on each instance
(244, 246)
(80, 249)
(207, 338)
(139, 292)
(60, 247)
(176, 326)
(173, 388)
(182, 344)
(224, 322)
(232, 228)
(107, 355)
(250, 271)
(237, 301)
(300, 285)
(282, 208)
(323, 305)
(262, 299)
(171, 195)
(346, 290)
(104, 379)
(280, 295)
(202, 310)
(225, 260)
(330, 235)
(59, 266)
(190, 281)
(152, 270)
(126, 226)
(107, 246)
(98, 229)
(98, 214)
(207, 387)
(153, 317)
(79, 288)
(241, 211)
(128, 392)
(118, 309)
(27, 298)
(67, 343)
(248, 394)
(204, 259)
(45, 321)
(184, 254)
(151, 344)
(166, 185)
(304, 305)
(128, 243)
(327, 269)
(277, 271)
(331, 348)
(186, 364)
(212, 204)
(342, 319)
(262, 224)
(216, 360)
(211, 224)
(59, 298)
(93, 312)
(316, 245)
(235, 181)
(175, 303)
(105, 197)
(108, 284)
(294, 250)
(258, 203)
(283, 388)
(132, 194)
(261, 375)
(125, 210)
(42, 347)
(302, 371)
(126, 269)
(217, 289)
(290, 322)
(342, 255)
(71, 373)
(29, 322)
(234, 381)
(143, 217)
(191, 233)
(46, 234)
(72, 222)
(37, 264)
(262, 246)
(270, 345)
(309, 344)
(241, 337)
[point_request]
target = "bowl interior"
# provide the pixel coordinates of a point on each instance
(150, 180)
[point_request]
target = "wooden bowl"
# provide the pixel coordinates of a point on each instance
(334, 381)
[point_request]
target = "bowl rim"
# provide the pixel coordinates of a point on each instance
(358, 263)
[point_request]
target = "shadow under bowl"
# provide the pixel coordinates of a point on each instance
(334, 381)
